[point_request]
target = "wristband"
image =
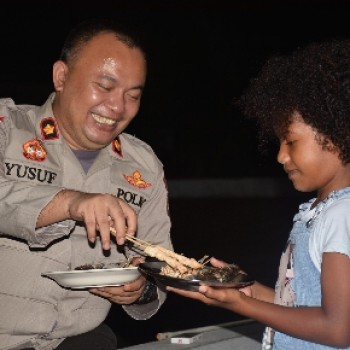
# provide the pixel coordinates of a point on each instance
(149, 294)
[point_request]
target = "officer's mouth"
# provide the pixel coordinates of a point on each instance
(103, 121)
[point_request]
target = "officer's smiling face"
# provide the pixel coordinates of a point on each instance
(99, 94)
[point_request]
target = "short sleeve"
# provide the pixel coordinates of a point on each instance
(331, 234)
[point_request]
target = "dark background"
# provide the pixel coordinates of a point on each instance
(201, 55)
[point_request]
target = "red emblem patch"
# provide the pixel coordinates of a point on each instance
(34, 150)
(49, 129)
(136, 180)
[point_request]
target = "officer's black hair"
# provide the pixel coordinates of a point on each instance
(86, 30)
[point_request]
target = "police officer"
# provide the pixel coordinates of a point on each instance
(68, 173)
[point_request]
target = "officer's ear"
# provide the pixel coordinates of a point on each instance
(59, 75)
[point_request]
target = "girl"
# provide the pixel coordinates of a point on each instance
(304, 100)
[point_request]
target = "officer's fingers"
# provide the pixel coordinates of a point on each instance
(105, 233)
(123, 221)
(119, 229)
(91, 230)
(117, 226)
(130, 218)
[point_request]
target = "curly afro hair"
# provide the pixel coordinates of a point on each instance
(313, 81)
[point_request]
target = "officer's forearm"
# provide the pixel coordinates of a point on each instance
(57, 209)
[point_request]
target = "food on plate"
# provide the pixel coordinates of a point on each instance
(180, 266)
(176, 263)
(221, 274)
(123, 264)
(179, 263)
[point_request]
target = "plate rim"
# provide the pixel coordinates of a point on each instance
(112, 269)
(57, 276)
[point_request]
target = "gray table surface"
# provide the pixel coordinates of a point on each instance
(238, 335)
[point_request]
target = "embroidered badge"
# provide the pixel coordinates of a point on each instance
(49, 129)
(34, 150)
(136, 180)
(2, 118)
(117, 147)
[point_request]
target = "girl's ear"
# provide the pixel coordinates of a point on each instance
(328, 145)
(59, 72)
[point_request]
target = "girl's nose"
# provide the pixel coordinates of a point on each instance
(282, 155)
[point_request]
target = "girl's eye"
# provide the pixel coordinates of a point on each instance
(290, 142)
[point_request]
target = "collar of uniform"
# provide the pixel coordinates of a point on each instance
(116, 147)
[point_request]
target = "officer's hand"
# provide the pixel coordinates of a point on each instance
(99, 212)
(125, 295)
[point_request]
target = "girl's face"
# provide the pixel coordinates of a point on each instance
(310, 166)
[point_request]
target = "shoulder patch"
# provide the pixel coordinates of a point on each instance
(34, 150)
(136, 180)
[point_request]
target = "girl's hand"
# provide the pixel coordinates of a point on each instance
(219, 263)
(221, 297)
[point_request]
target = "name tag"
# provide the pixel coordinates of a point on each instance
(21, 171)
(131, 197)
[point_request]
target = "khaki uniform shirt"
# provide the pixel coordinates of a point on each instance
(35, 164)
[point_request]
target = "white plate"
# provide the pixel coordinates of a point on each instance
(81, 279)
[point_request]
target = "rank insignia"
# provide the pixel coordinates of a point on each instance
(34, 150)
(49, 129)
(136, 180)
(117, 147)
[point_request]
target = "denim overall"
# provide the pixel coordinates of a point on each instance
(306, 282)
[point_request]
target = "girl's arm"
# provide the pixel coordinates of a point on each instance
(328, 324)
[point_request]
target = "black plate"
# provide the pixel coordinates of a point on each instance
(239, 280)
